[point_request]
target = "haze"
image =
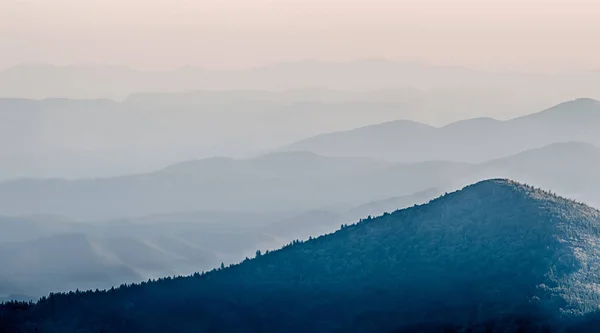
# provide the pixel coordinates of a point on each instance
(527, 35)
(307, 156)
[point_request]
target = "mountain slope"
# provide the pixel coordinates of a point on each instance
(496, 253)
(473, 140)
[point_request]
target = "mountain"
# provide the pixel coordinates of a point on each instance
(84, 138)
(70, 138)
(495, 256)
(389, 205)
(38, 257)
(318, 222)
(23, 228)
(284, 181)
(292, 182)
(276, 165)
(474, 140)
(567, 167)
(117, 82)
(34, 265)
(157, 245)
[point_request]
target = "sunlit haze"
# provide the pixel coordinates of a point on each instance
(267, 166)
(526, 35)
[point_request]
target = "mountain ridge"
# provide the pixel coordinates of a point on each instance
(469, 140)
(297, 183)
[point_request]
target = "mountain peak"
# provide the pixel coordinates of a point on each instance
(577, 110)
(494, 185)
(576, 105)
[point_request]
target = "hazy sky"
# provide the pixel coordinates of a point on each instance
(536, 35)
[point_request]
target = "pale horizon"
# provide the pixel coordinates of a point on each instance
(491, 35)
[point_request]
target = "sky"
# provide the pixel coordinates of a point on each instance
(496, 35)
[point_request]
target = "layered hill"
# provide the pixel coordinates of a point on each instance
(38, 256)
(42, 254)
(280, 181)
(297, 181)
(453, 86)
(77, 139)
(495, 256)
(84, 138)
(473, 140)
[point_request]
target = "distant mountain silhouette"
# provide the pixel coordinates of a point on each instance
(61, 261)
(495, 256)
(276, 165)
(284, 181)
(317, 222)
(474, 140)
(565, 167)
(84, 138)
(41, 255)
(117, 82)
(576, 111)
(390, 205)
(146, 247)
(293, 181)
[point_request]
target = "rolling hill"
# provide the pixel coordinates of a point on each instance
(294, 182)
(34, 250)
(285, 181)
(77, 139)
(40, 255)
(84, 138)
(494, 256)
(118, 82)
(474, 140)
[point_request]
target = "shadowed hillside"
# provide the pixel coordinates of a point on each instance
(497, 255)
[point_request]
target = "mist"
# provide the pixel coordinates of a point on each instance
(531, 35)
(362, 162)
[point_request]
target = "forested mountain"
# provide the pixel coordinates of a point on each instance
(277, 198)
(473, 140)
(496, 256)
(43, 254)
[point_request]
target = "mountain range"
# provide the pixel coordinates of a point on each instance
(77, 139)
(79, 232)
(42, 254)
(473, 140)
(495, 256)
(197, 214)
(293, 181)
(117, 82)
(84, 138)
